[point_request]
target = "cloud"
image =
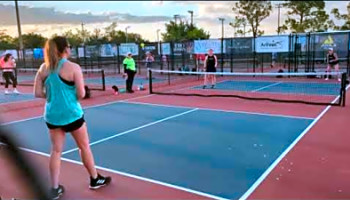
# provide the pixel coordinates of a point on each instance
(127, 18)
(41, 15)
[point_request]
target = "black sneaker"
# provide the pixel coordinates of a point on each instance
(100, 181)
(56, 193)
(212, 87)
(204, 86)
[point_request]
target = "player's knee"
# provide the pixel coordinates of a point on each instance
(56, 149)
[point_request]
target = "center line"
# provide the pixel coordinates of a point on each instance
(273, 84)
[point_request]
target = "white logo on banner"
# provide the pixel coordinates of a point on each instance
(125, 48)
(272, 44)
(202, 46)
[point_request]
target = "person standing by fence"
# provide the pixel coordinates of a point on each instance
(129, 71)
(8, 65)
(210, 64)
(332, 62)
(149, 60)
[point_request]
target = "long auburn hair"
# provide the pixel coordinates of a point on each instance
(54, 48)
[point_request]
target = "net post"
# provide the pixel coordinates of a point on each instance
(103, 80)
(150, 81)
(342, 97)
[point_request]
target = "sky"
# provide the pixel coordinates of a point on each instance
(143, 17)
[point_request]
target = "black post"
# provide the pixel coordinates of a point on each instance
(172, 55)
(118, 58)
(150, 81)
(312, 67)
(290, 50)
(295, 54)
(262, 63)
(342, 97)
(222, 43)
(348, 59)
(103, 80)
(254, 54)
(161, 55)
(231, 55)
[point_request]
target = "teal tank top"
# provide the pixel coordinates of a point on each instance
(62, 105)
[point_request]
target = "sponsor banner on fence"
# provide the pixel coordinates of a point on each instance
(13, 52)
(301, 43)
(239, 45)
(151, 48)
(73, 53)
(165, 49)
(178, 49)
(108, 50)
(81, 53)
(38, 53)
(28, 53)
(202, 46)
(271, 44)
(335, 41)
(92, 51)
(124, 48)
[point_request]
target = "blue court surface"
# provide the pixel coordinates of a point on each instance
(15, 97)
(216, 152)
(306, 88)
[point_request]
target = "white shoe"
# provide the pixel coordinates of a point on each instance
(326, 79)
(339, 79)
(16, 91)
(7, 91)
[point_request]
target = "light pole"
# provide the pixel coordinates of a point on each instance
(279, 6)
(222, 26)
(126, 34)
(176, 17)
(222, 43)
(82, 32)
(20, 40)
(158, 35)
(191, 12)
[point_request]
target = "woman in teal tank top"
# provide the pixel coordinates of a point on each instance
(61, 83)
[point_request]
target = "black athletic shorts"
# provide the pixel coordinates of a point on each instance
(211, 69)
(69, 127)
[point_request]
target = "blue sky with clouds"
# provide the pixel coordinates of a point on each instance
(144, 17)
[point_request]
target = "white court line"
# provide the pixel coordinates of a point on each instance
(256, 90)
(87, 107)
(285, 152)
(134, 129)
(219, 110)
(134, 176)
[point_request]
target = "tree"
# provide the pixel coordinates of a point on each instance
(237, 26)
(252, 12)
(110, 32)
(74, 39)
(183, 31)
(343, 17)
(97, 38)
(32, 40)
(306, 16)
(6, 41)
